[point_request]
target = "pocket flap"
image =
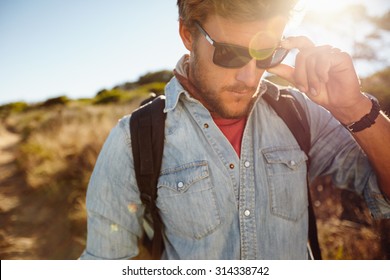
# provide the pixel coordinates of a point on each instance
(182, 177)
(292, 157)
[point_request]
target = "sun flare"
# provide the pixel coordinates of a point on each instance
(325, 5)
(332, 18)
(327, 11)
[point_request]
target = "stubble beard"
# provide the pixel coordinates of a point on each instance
(211, 98)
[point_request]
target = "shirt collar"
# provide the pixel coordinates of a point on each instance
(173, 91)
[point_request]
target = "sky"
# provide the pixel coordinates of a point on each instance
(50, 48)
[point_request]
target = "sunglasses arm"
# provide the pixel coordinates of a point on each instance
(207, 36)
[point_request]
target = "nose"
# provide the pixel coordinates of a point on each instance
(249, 74)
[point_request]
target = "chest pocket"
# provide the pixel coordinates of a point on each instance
(287, 184)
(187, 200)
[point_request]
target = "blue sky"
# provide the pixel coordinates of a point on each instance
(52, 47)
(78, 47)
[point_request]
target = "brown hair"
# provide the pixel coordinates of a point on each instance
(240, 10)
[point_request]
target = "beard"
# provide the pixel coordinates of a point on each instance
(221, 102)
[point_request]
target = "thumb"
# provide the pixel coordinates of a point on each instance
(284, 71)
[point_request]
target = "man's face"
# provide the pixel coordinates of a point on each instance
(225, 92)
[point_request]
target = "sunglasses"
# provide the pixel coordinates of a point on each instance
(234, 56)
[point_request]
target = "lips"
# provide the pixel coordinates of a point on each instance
(242, 93)
(241, 90)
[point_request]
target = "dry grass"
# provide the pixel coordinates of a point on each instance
(345, 227)
(55, 158)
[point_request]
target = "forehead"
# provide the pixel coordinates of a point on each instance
(255, 34)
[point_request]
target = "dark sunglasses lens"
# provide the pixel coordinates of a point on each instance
(276, 58)
(230, 56)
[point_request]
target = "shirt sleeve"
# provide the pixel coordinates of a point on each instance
(113, 203)
(334, 152)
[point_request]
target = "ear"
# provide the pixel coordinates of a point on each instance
(185, 35)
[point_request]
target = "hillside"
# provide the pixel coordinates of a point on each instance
(47, 153)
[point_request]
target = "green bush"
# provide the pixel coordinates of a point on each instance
(156, 87)
(60, 100)
(161, 76)
(379, 85)
(16, 107)
(108, 96)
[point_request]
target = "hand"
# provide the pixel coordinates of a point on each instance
(327, 76)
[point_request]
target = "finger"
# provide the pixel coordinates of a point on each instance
(284, 71)
(321, 96)
(340, 61)
(313, 81)
(298, 42)
(317, 67)
(300, 74)
(306, 64)
(324, 63)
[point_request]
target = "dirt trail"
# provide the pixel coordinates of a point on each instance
(16, 240)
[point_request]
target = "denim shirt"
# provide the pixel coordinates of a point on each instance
(214, 204)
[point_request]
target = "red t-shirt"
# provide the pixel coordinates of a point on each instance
(233, 129)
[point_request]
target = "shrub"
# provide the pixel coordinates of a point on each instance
(379, 86)
(60, 100)
(15, 107)
(161, 76)
(108, 96)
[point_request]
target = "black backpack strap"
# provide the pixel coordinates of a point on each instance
(147, 125)
(292, 113)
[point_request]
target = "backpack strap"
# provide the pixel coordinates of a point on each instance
(147, 125)
(293, 115)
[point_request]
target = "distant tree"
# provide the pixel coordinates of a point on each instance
(127, 86)
(15, 107)
(382, 22)
(161, 76)
(60, 100)
(362, 50)
(367, 35)
(101, 92)
(378, 85)
(108, 96)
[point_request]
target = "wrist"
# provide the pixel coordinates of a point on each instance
(354, 112)
(367, 120)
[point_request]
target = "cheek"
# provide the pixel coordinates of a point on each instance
(208, 76)
(202, 55)
(212, 78)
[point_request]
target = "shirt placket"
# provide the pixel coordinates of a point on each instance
(242, 173)
(247, 204)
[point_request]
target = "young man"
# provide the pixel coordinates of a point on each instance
(233, 178)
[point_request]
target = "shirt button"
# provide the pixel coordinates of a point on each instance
(247, 213)
(231, 166)
(206, 125)
(180, 185)
(247, 164)
(292, 163)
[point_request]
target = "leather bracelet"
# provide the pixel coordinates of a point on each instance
(367, 120)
